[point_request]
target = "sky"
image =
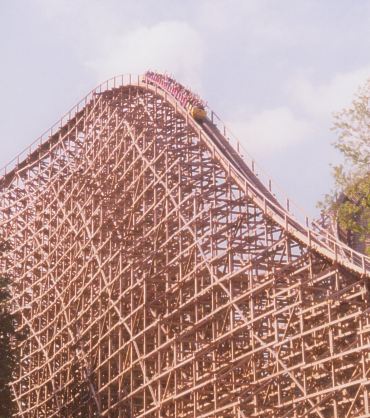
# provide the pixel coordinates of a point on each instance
(274, 71)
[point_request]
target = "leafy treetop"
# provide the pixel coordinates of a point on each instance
(352, 179)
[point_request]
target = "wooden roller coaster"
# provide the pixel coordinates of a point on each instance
(156, 275)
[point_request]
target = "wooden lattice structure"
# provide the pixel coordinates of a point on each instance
(155, 276)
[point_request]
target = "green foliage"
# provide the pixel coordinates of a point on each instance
(351, 200)
(8, 356)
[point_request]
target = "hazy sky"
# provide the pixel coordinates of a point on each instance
(275, 71)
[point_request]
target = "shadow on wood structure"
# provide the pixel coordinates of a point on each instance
(157, 277)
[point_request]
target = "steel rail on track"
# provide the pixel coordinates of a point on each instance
(227, 148)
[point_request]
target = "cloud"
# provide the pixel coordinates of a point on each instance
(270, 130)
(320, 100)
(169, 46)
(305, 116)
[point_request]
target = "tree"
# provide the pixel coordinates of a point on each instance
(351, 199)
(8, 356)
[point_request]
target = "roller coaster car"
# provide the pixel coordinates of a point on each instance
(198, 113)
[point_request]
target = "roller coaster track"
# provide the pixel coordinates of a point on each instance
(156, 274)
